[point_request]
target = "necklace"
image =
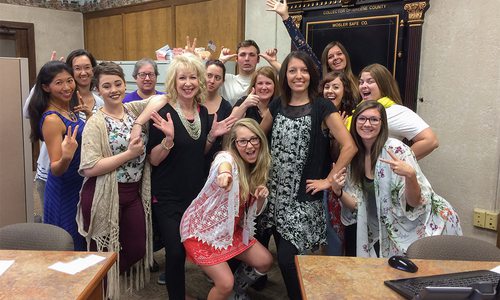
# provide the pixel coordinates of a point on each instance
(71, 114)
(113, 116)
(193, 128)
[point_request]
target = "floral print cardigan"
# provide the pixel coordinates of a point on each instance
(399, 225)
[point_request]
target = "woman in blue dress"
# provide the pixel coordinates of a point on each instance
(52, 121)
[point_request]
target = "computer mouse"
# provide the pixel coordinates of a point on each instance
(402, 263)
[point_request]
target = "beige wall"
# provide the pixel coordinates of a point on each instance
(54, 29)
(460, 84)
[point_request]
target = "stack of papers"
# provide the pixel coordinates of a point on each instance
(77, 265)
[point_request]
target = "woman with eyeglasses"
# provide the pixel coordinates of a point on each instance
(377, 83)
(145, 74)
(86, 100)
(385, 192)
(219, 223)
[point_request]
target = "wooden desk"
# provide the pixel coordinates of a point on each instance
(30, 278)
(336, 277)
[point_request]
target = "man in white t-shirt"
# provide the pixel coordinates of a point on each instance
(247, 57)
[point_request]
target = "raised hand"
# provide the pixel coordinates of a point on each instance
(82, 107)
(53, 56)
(251, 100)
(225, 55)
(261, 193)
(69, 143)
(398, 166)
(278, 7)
(166, 126)
(222, 127)
(136, 147)
(270, 55)
(190, 46)
(338, 181)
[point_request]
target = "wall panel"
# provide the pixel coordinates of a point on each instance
(216, 20)
(104, 37)
(136, 31)
(146, 31)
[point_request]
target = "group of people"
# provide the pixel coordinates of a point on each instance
(302, 151)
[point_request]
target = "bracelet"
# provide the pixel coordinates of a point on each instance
(210, 139)
(164, 144)
(338, 196)
(226, 172)
(137, 123)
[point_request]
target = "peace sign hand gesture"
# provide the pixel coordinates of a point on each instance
(82, 107)
(69, 143)
(190, 47)
(398, 166)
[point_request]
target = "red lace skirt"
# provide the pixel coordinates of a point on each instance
(202, 253)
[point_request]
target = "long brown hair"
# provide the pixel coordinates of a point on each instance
(358, 162)
(286, 91)
(353, 82)
(251, 176)
(386, 83)
(348, 101)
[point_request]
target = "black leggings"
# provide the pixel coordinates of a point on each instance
(175, 255)
(286, 252)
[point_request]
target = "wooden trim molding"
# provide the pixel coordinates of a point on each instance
(138, 7)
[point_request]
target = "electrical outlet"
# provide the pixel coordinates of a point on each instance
(491, 220)
(479, 217)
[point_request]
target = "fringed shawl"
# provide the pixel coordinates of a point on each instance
(104, 226)
(210, 217)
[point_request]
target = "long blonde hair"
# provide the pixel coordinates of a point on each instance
(250, 175)
(192, 63)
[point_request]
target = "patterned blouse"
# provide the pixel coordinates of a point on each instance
(399, 225)
(119, 135)
(300, 222)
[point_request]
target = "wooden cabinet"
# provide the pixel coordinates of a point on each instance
(136, 31)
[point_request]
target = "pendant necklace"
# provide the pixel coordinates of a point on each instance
(193, 128)
(71, 114)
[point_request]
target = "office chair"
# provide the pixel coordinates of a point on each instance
(35, 236)
(452, 247)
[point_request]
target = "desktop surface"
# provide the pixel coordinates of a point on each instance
(339, 277)
(30, 278)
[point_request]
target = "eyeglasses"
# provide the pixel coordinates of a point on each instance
(255, 141)
(86, 68)
(373, 120)
(143, 75)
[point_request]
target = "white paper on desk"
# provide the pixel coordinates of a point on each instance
(496, 269)
(77, 265)
(4, 265)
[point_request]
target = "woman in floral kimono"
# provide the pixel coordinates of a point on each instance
(386, 193)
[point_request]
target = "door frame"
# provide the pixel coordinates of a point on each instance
(25, 44)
